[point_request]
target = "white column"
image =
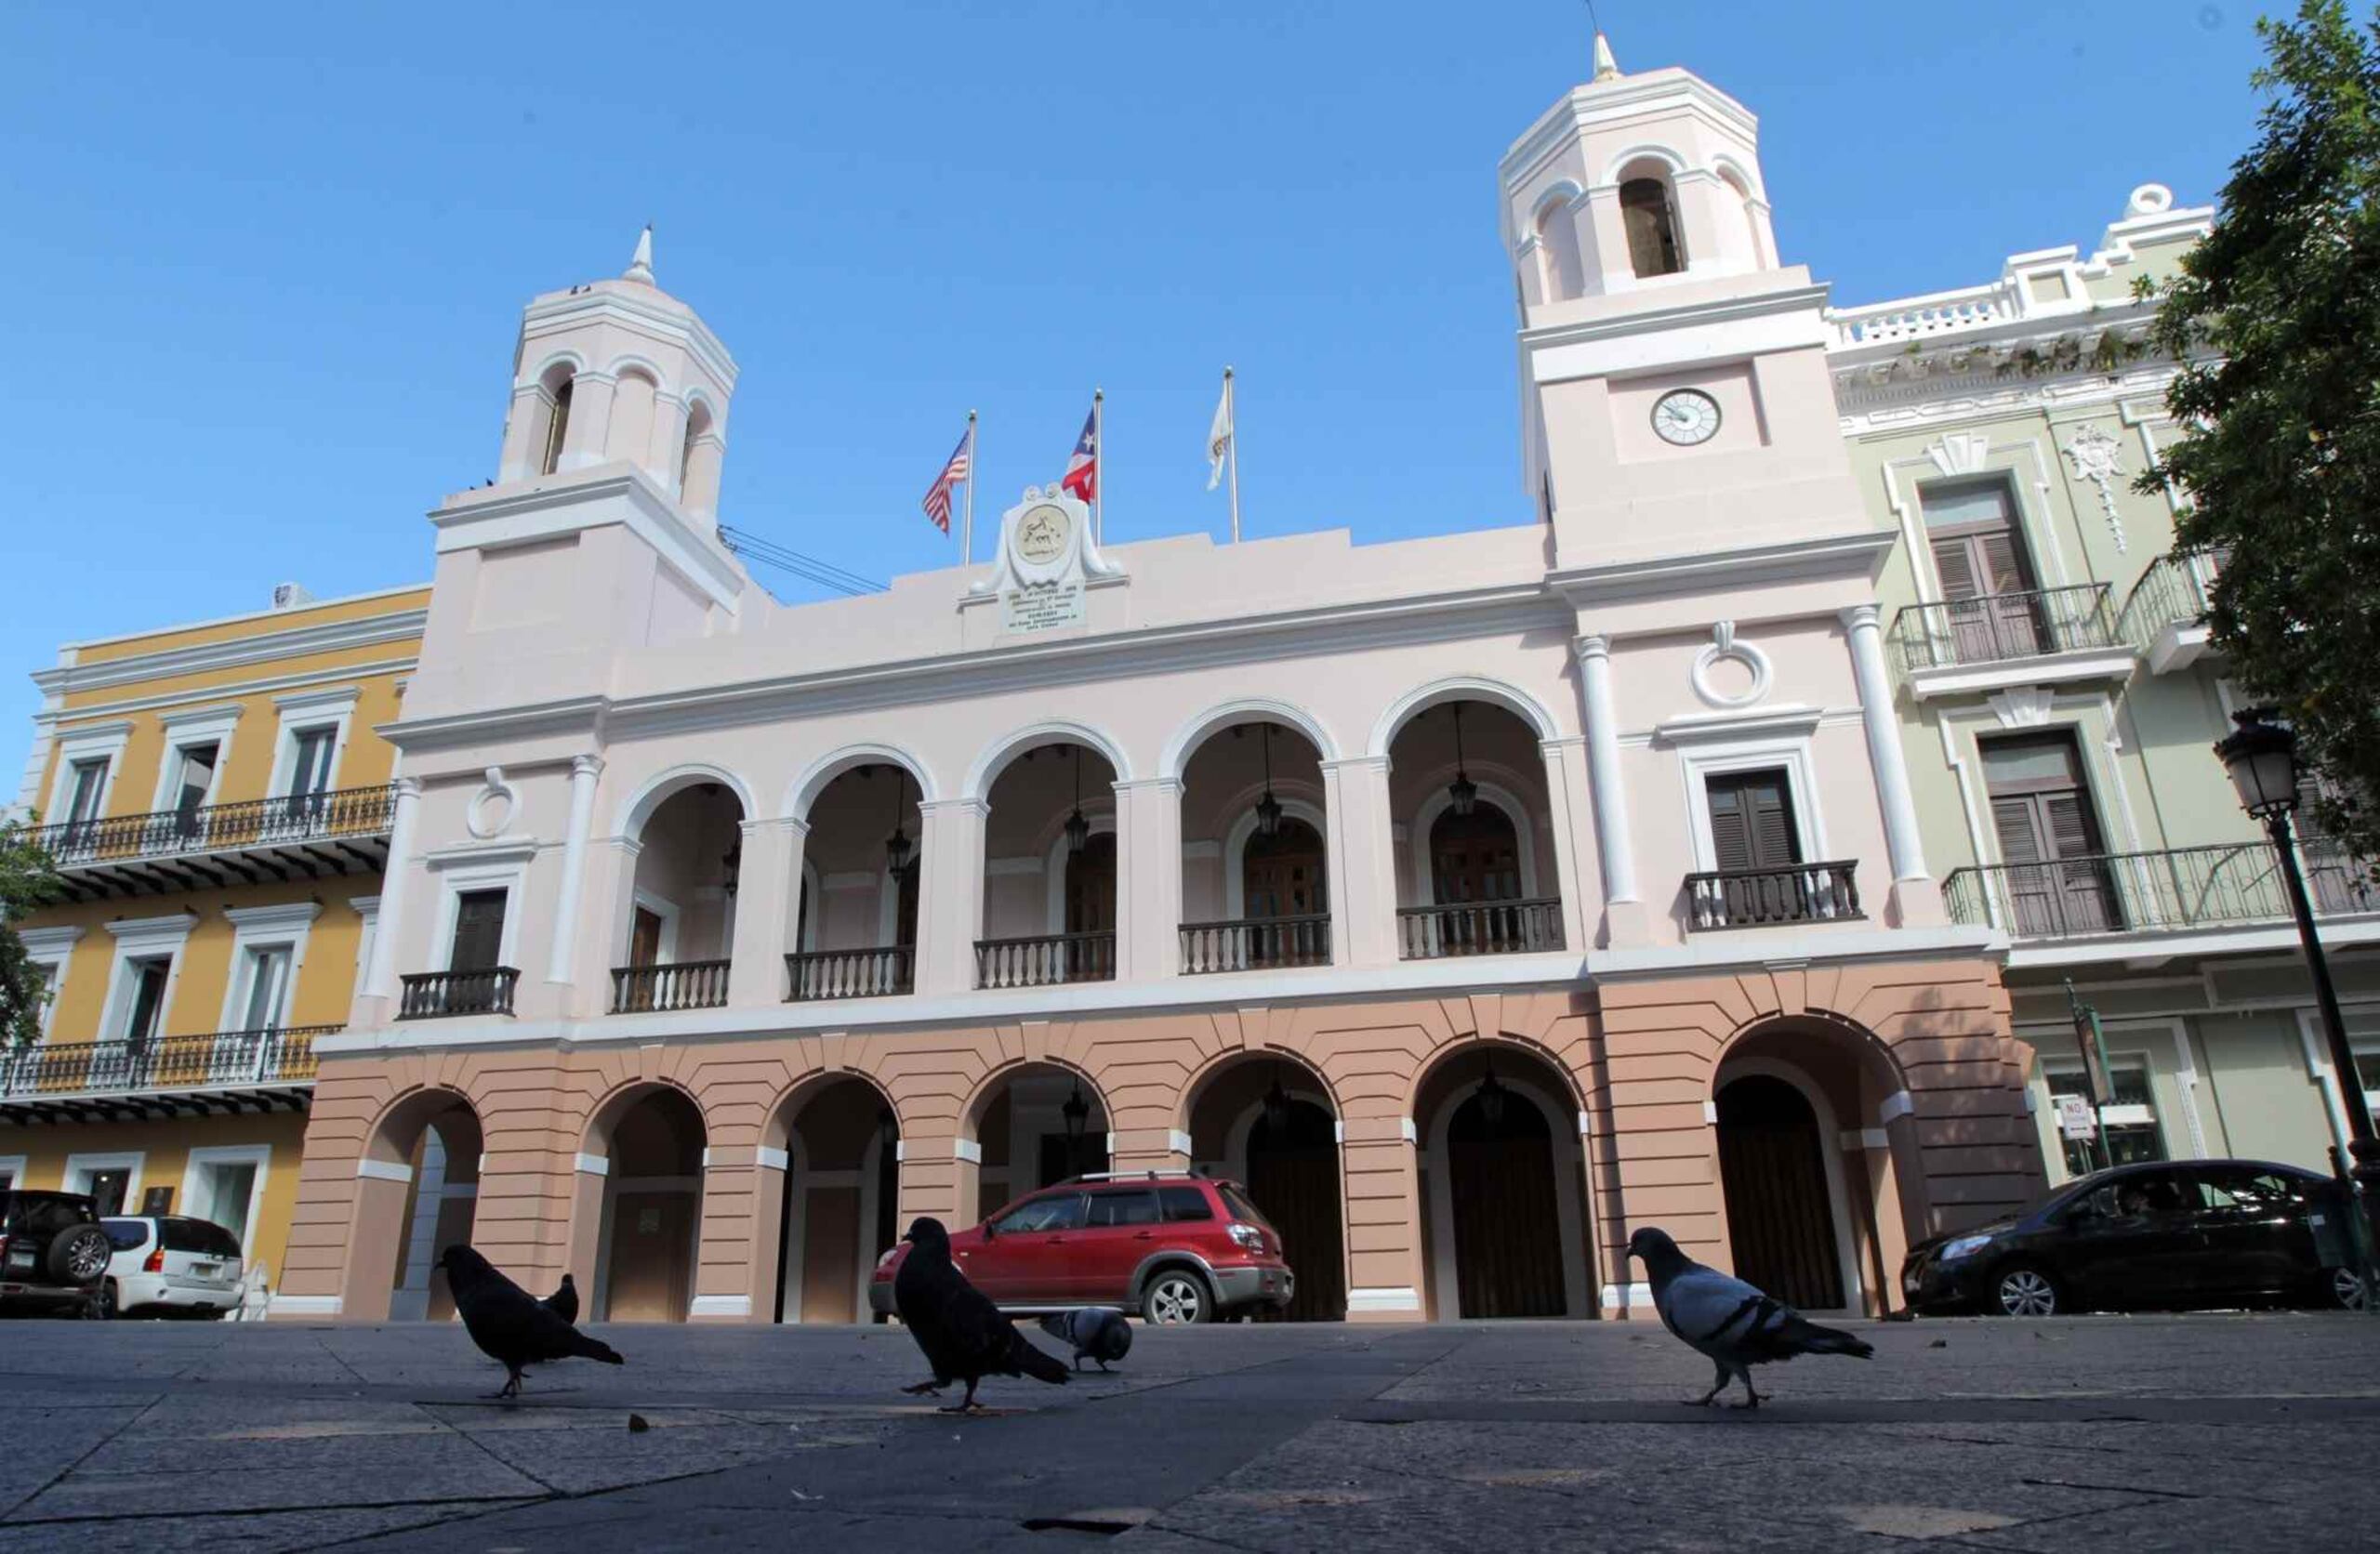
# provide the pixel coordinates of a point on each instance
(1148, 884)
(591, 420)
(1362, 875)
(767, 906)
(583, 770)
(1603, 771)
(1913, 888)
(950, 896)
(382, 981)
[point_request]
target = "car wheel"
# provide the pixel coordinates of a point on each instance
(80, 1255)
(2346, 1289)
(1174, 1298)
(105, 1305)
(2021, 1290)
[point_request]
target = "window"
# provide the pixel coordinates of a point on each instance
(1281, 874)
(1650, 220)
(126, 1235)
(208, 1240)
(1475, 856)
(1987, 578)
(1060, 1211)
(196, 779)
(557, 429)
(1136, 1207)
(147, 1007)
(2133, 1134)
(1752, 820)
(266, 1001)
(107, 1185)
(2054, 860)
(310, 772)
(86, 789)
(1240, 1207)
(477, 944)
(1183, 1205)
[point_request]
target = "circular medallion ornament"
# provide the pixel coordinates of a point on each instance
(1686, 417)
(1041, 533)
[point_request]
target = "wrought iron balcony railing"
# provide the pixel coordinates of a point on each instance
(438, 995)
(1046, 959)
(1506, 927)
(2175, 889)
(2000, 627)
(1256, 944)
(685, 984)
(303, 836)
(1755, 898)
(279, 1055)
(2175, 590)
(878, 973)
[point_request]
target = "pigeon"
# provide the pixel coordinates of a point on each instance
(1729, 1320)
(507, 1325)
(563, 1302)
(1100, 1332)
(962, 1334)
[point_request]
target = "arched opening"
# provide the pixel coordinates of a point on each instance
(1035, 1126)
(648, 1247)
(1504, 1206)
(559, 384)
(1267, 1122)
(1754, 250)
(865, 856)
(1560, 275)
(841, 1189)
(1648, 214)
(679, 928)
(699, 421)
(416, 1195)
(1475, 874)
(1779, 1222)
(1255, 876)
(1049, 870)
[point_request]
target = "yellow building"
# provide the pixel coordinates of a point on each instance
(218, 804)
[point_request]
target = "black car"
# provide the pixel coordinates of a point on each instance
(2200, 1233)
(53, 1252)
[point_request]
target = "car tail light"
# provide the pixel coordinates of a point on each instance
(156, 1261)
(1248, 1237)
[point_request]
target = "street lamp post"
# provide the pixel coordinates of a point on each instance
(2262, 759)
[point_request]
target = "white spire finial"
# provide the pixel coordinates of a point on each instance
(641, 267)
(1607, 68)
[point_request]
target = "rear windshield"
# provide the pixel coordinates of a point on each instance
(1240, 1206)
(45, 1213)
(126, 1235)
(1183, 1203)
(202, 1236)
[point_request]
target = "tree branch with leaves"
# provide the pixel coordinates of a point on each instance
(28, 881)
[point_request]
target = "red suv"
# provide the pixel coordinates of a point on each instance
(1170, 1247)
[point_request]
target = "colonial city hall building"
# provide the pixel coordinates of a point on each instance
(1710, 853)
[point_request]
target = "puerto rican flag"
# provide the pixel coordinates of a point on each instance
(1082, 468)
(960, 467)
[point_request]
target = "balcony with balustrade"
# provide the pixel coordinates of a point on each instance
(1771, 897)
(211, 846)
(1471, 872)
(2168, 891)
(222, 1071)
(2164, 616)
(2035, 636)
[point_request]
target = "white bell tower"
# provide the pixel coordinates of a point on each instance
(620, 372)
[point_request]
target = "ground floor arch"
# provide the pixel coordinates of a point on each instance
(1269, 1124)
(650, 1141)
(416, 1195)
(1031, 1125)
(839, 1161)
(1504, 1208)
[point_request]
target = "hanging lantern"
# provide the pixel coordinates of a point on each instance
(1276, 1108)
(1268, 809)
(1077, 1114)
(731, 863)
(1492, 1096)
(1078, 827)
(898, 848)
(1462, 790)
(888, 1128)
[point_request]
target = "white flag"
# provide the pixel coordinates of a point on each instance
(1219, 437)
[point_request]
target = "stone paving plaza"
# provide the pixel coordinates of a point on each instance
(2208, 1433)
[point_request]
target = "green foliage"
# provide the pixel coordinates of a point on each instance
(27, 881)
(2277, 315)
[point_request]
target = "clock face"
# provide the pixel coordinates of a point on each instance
(1685, 416)
(1041, 533)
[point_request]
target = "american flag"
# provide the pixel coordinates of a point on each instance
(960, 467)
(1082, 468)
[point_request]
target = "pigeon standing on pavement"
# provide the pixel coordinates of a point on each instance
(1099, 1332)
(509, 1324)
(962, 1334)
(1734, 1325)
(563, 1302)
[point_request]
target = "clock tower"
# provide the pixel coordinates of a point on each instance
(1675, 392)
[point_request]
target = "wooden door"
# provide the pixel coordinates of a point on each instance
(478, 931)
(1293, 1180)
(653, 1263)
(1987, 578)
(1507, 1229)
(1779, 1223)
(1281, 875)
(644, 938)
(1091, 907)
(2058, 873)
(1475, 859)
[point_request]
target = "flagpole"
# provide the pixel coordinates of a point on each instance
(1097, 466)
(970, 525)
(1231, 414)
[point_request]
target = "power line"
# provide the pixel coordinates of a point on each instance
(827, 575)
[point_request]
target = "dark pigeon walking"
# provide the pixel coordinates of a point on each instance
(509, 1324)
(963, 1334)
(1099, 1332)
(1729, 1320)
(563, 1302)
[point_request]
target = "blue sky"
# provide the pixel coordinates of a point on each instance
(266, 263)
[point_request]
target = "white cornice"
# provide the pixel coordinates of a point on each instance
(1832, 556)
(1596, 104)
(1720, 329)
(263, 648)
(616, 494)
(658, 314)
(1974, 679)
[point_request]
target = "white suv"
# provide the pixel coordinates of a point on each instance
(169, 1265)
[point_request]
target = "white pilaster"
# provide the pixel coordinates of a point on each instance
(950, 897)
(1148, 886)
(584, 770)
(1612, 839)
(1567, 797)
(1914, 888)
(590, 431)
(1362, 879)
(382, 982)
(768, 894)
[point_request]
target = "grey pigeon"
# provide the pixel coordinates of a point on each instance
(1736, 1325)
(563, 1302)
(1100, 1332)
(508, 1323)
(963, 1334)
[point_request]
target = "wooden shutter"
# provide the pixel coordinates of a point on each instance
(2001, 563)
(1954, 565)
(2072, 831)
(1752, 822)
(478, 931)
(1774, 844)
(1730, 828)
(2019, 840)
